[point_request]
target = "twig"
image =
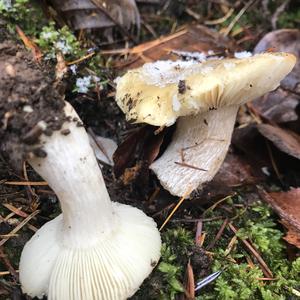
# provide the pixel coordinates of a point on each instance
(15, 210)
(7, 263)
(220, 20)
(162, 210)
(198, 232)
(274, 165)
(186, 194)
(18, 227)
(217, 203)
(237, 17)
(26, 183)
(267, 272)
(219, 234)
(280, 9)
(183, 164)
(80, 59)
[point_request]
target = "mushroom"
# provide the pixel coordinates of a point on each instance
(205, 98)
(96, 249)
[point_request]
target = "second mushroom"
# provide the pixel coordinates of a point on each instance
(205, 98)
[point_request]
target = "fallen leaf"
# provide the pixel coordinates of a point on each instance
(37, 54)
(293, 235)
(286, 140)
(125, 154)
(195, 38)
(236, 171)
(86, 14)
(283, 40)
(279, 106)
(287, 205)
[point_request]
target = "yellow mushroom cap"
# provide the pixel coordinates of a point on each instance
(160, 92)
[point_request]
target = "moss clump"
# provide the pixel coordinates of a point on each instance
(242, 276)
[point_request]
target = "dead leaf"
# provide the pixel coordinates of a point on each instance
(286, 140)
(287, 205)
(236, 171)
(196, 38)
(279, 106)
(37, 54)
(130, 174)
(190, 282)
(93, 14)
(125, 154)
(293, 235)
(152, 146)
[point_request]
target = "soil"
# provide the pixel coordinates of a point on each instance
(28, 97)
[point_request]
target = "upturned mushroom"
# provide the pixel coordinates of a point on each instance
(96, 249)
(205, 98)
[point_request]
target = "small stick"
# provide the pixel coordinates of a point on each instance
(15, 210)
(73, 62)
(8, 264)
(153, 195)
(162, 210)
(183, 164)
(217, 203)
(219, 234)
(267, 272)
(26, 183)
(237, 17)
(198, 232)
(17, 228)
(186, 194)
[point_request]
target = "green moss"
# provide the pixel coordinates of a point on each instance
(238, 279)
(52, 40)
(289, 19)
(24, 13)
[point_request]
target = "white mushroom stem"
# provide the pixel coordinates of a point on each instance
(97, 249)
(72, 171)
(197, 150)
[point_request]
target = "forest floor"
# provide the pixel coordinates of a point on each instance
(239, 236)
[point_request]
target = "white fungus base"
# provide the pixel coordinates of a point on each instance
(109, 270)
(203, 140)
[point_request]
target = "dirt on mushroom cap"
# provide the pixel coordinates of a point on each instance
(27, 97)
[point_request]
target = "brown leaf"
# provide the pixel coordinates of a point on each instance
(293, 235)
(236, 171)
(143, 145)
(286, 140)
(37, 54)
(283, 40)
(190, 282)
(125, 153)
(279, 106)
(192, 38)
(152, 146)
(287, 205)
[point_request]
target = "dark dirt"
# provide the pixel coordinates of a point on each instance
(28, 96)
